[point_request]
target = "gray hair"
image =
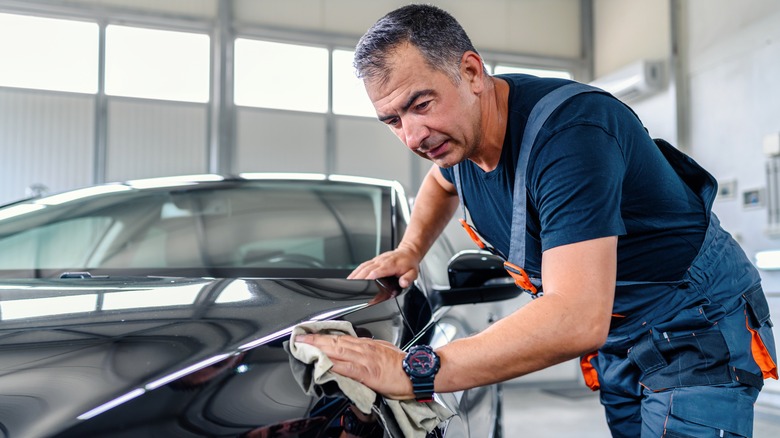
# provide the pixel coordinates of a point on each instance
(434, 32)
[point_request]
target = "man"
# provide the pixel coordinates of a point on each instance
(639, 279)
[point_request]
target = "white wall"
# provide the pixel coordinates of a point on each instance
(45, 138)
(734, 101)
(730, 70)
(627, 32)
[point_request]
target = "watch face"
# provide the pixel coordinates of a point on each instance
(422, 362)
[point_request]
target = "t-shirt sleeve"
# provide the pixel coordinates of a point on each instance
(575, 183)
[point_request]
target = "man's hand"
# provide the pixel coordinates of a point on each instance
(434, 206)
(374, 363)
(402, 263)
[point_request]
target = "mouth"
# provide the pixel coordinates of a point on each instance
(437, 151)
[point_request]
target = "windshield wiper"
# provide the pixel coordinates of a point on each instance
(80, 274)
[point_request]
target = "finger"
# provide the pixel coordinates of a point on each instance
(356, 351)
(374, 363)
(320, 340)
(363, 364)
(408, 278)
(380, 369)
(315, 340)
(372, 271)
(358, 273)
(336, 347)
(365, 269)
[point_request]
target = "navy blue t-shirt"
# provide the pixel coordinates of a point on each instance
(593, 172)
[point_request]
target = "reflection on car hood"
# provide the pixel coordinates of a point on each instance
(72, 349)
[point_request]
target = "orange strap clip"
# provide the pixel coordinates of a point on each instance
(521, 278)
(589, 372)
(472, 233)
(518, 274)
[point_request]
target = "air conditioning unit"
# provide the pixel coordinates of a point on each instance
(634, 81)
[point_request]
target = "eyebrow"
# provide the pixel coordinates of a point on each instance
(409, 103)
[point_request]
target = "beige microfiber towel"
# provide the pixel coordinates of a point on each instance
(311, 369)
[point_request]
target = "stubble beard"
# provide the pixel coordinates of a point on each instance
(466, 150)
(458, 153)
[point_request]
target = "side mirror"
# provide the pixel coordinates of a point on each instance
(477, 277)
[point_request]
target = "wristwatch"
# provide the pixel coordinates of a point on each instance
(421, 365)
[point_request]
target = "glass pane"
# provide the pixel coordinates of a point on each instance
(257, 225)
(48, 246)
(281, 76)
(157, 64)
(504, 69)
(48, 54)
(349, 94)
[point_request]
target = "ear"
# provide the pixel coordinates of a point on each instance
(472, 71)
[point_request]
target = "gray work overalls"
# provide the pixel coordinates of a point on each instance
(685, 358)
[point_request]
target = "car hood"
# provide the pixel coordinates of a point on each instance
(200, 355)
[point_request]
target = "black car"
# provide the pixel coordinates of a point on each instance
(159, 308)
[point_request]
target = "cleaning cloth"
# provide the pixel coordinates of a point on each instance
(311, 369)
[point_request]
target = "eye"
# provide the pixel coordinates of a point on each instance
(422, 106)
(393, 122)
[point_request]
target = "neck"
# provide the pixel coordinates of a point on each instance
(494, 106)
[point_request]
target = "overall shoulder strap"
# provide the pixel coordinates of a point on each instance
(515, 263)
(459, 188)
(539, 115)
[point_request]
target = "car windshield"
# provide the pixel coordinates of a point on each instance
(265, 228)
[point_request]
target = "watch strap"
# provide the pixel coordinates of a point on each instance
(423, 389)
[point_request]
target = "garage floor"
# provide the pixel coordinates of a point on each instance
(571, 410)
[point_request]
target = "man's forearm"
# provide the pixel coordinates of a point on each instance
(516, 345)
(571, 319)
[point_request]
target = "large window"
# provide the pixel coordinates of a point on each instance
(349, 94)
(62, 55)
(157, 64)
(48, 54)
(281, 76)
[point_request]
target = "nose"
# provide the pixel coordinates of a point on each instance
(414, 133)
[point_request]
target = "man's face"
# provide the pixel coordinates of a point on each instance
(434, 117)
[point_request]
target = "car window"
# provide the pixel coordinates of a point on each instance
(259, 224)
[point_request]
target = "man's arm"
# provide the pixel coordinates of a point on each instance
(434, 206)
(571, 319)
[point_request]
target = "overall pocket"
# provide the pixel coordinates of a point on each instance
(682, 358)
(724, 411)
(760, 327)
